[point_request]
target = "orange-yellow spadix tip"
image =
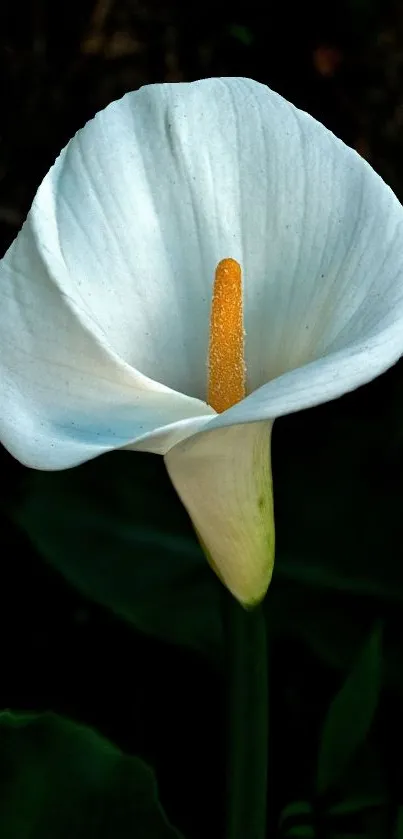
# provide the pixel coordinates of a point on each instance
(226, 359)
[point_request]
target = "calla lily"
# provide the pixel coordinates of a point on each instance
(111, 331)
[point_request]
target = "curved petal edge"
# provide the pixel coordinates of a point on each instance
(223, 478)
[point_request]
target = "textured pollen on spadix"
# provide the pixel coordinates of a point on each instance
(226, 361)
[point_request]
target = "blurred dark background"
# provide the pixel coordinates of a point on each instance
(60, 63)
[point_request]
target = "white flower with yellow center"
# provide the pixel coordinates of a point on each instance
(201, 259)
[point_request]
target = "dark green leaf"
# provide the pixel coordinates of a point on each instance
(295, 610)
(338, 480)
(115, 528)
(355, 805)
(59, 780)
(294, 810)
(375, 825)
(349, 835)
(295, 820)
(399, 824)
(333, 626)
(361, 799)
(242, 34)
(351, 714)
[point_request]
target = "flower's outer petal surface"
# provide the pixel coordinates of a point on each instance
(224, 480)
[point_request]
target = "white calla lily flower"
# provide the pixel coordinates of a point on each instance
(201, 259)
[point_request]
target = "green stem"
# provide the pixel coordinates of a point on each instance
(246, 653)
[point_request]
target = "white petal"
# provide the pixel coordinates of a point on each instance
(316, 383)
(223, 478)
(322, 253)
(65, 395)
(124, 236)
(138, 210)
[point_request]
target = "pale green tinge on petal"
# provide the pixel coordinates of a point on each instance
(223, 478)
